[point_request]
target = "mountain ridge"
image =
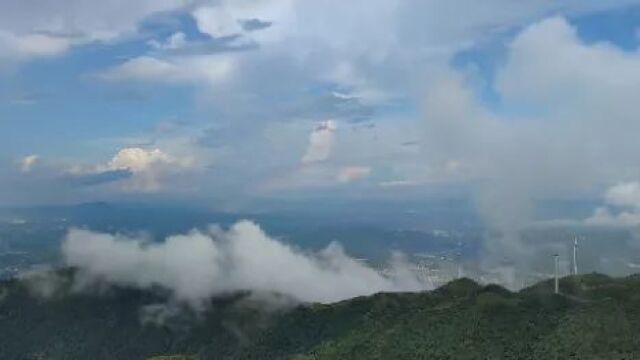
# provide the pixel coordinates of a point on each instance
(594, 317)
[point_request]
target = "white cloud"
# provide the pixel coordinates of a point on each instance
(533, 76)
(602, 216)
(624, 198)
(36, 28)
(184, 263)
(138, 159)
(226, 17)
(320, 142)
(387, 54)
(307, 48)
(202, 264)
(378, 56)
(217, 21)
(147, 167)
(624, 194)
(19, 47)
(196, 69)
(315, 168)
(392, 52)
(145, 68)
(81, 18)
(27, 163)
(300, 27)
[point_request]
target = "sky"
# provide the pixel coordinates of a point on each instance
(225, 102)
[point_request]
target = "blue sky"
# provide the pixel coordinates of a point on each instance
(229, 101)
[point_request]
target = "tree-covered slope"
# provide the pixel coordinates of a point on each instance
(597, 317)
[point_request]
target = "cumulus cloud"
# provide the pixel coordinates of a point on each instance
(526, 78)
(147, 166)
(138, 159)
(201, 264)
(136, 169)
(317, 168)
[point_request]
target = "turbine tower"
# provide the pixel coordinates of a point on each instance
(556, 280)
(575, 255)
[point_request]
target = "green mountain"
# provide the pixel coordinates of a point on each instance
(595, 317)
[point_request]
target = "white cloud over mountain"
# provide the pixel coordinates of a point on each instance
(198, 265)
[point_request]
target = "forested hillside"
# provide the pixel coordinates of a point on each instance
(596, 317)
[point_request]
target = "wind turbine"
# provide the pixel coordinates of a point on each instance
(575, 255)
(556, 280)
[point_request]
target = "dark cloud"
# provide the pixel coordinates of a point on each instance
(254, 24)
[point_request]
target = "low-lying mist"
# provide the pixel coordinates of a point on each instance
(201, 264)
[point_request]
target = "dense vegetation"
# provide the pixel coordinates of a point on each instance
(596, 317)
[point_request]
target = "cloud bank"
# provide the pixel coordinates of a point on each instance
(201, 264)
(256, 65)
(565, 124)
